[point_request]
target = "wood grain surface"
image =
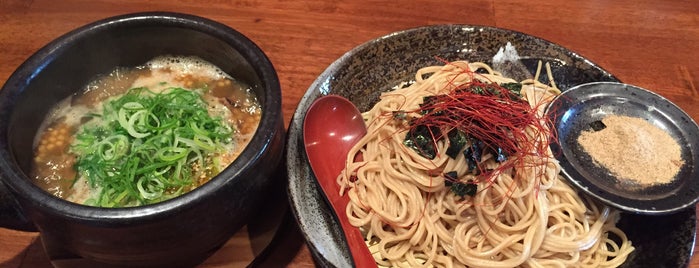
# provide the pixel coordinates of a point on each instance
(650, 43)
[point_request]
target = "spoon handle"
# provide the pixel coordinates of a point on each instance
(326, 176)
(358, 247)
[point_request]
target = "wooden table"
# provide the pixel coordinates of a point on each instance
(650, 43)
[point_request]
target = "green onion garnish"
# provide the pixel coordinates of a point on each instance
(146, 147)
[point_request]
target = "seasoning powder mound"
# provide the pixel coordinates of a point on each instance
(633, 149)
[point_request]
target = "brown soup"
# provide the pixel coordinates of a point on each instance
(62, 167)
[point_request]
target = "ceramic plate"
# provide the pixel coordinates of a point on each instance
(574, 111)
(376, 66)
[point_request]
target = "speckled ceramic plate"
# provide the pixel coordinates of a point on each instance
(376, 66)
(576, 109)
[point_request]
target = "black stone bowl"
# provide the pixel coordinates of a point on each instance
(376, 66)
(179, 232)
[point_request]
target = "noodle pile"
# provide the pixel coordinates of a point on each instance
(526, 216)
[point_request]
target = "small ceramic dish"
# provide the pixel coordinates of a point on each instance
(577, 109)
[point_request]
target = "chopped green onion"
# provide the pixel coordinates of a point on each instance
(147, 147)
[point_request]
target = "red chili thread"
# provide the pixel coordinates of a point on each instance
(498, 118)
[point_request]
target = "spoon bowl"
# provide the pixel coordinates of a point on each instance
(331, 127)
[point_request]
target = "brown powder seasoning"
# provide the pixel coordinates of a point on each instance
(633, 149)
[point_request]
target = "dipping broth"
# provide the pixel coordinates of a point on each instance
(143, 135)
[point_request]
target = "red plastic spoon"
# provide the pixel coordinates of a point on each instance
(331, 127)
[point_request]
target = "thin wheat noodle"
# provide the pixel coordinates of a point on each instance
(525, 217)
